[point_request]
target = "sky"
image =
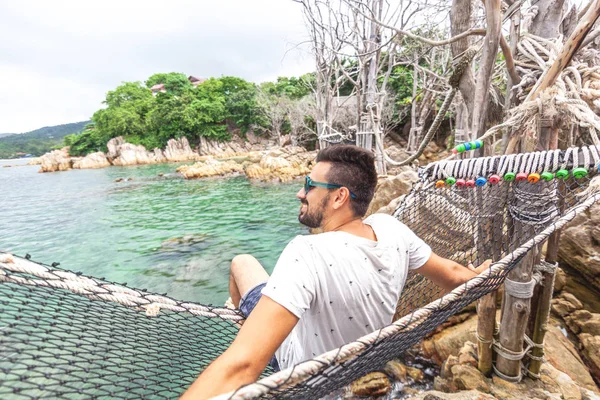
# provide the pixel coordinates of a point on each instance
(59, 58)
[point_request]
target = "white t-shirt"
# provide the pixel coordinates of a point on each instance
(342, 286)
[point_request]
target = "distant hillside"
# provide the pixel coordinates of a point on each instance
(37, 142)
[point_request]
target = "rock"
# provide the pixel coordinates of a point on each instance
(563, 355)
(119, 180)
(210, 167)
(131, 154)
(444, 385)
(467, 395)
(392, 206)
(396, 370)
(179, 150)
(449, 341)
(579, 245)
(467, 377)
(373, 384)
(566, 385)
(416, 374)
(446, 370)
(56, 160)
(565, 304)
(159, 156)
(390, 188)
(560, 280)
(468, 355)
(92, 161)
(589, 395)
(578, 319)
(591, 352)
(34, 161)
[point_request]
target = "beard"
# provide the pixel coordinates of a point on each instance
(313, 218)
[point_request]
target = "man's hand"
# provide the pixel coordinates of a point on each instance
(483, 267)
(263, 332)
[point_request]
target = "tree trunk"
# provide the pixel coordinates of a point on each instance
(460, 21)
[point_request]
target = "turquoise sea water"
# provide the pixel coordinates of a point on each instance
(162, 233)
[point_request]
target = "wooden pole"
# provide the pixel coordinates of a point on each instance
(573, 43)
(486, 324)
(568, 51)
(546, 290)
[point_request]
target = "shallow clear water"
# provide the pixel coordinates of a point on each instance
(165, 234)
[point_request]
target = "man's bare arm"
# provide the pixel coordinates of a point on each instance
(448, 274)
(263, 332)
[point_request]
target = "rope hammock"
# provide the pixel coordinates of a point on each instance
(64, 335)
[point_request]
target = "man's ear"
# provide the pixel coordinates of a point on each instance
(341, 197)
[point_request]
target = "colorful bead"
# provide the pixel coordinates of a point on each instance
(562, 174)
(467, 146)
(461, 148)
(470, 183)
(522, 176)
(440, 184)
(533, 178)
(494, 179)
(509, 176)
(460, 182)
(481, 181)
(454, 151)
(479, 144)
(547, 176)
(450, 181)
(579, 173)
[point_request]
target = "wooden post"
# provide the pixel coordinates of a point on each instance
(486, 324)
(568, 51)
(546, 290)
(563, 59)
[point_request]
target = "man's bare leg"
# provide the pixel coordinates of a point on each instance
(245, 273)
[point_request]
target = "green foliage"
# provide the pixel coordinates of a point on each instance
(37, 142)
(240, 103)
(293, 88)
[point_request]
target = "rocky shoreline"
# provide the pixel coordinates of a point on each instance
(257, 158)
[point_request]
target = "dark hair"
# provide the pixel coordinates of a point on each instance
(354, 168)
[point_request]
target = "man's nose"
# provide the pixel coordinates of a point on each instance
(301, 195)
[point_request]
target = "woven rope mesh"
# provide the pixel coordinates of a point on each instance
(61, 337)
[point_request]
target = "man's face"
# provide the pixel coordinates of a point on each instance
(313, 205)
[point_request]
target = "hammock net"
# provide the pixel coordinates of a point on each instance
(64, 335)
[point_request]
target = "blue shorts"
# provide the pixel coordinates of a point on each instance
(247, 304)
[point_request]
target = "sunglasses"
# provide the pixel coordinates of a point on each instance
(308, 183)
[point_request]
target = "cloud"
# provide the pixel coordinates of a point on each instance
(61, 57)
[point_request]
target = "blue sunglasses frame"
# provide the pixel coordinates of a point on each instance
(308, 183)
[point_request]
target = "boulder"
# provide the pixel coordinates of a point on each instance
(560, 280)
(209, 168)
(565, 304)
(56, 160)
(466, 395)
(580, 245)
(34, 161)
(92, 161)
(179, 150)
(591, 352)
(390, 188)
(396, 370)
(449, 341)
(563, 355)
(131, 154)
(583, 321)
(467, 377)
(373, 384)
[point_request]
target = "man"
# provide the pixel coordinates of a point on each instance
(326, 289)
